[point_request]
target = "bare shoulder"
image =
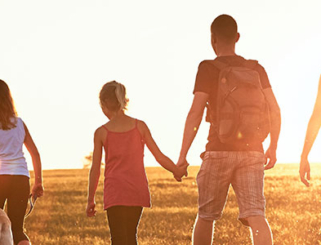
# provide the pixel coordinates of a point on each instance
(100, 134)
(100, 129)
(141, 123)
(142, 127)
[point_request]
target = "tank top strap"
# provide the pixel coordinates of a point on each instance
(136, 122)
(105, 142)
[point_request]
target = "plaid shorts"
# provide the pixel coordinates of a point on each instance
(244, 170)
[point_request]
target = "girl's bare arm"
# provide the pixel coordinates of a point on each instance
(96, 164)
(163, 160)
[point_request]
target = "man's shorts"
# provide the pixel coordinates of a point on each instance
(244, 170)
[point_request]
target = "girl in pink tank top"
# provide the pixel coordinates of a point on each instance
(125, 185)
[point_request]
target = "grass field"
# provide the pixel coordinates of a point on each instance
(293, 211)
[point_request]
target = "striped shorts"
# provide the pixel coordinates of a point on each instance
(244, 170)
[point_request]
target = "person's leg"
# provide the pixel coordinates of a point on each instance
(133, 216)
(213, 181)
(3, 190)
(5, 224)
(248, 184)
(5, 229)
(260, 229)
(203, 232)
(117, 225)
(17, 204)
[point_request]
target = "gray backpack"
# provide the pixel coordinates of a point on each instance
(242, 111)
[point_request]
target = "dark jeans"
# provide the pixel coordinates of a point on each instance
(15, 189)
(123, 222)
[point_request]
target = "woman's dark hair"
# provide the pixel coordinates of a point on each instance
(8, 112)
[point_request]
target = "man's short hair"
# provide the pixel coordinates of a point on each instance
(225, 27)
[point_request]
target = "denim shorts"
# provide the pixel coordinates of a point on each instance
(244, 170)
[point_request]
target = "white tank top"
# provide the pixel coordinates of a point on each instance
(12, 160)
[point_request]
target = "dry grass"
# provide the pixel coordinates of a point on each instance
(294, 211)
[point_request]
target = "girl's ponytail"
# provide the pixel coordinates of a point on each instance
(120, 92)
(113, 96)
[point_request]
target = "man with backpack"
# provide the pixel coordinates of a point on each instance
(242, 111)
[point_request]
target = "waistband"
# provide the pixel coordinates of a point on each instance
(224, 154)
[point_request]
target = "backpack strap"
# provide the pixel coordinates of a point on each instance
(220, 64)
(105, 141)
(251, 64)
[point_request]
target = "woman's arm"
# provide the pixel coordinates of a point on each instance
(94, 172)
(37, 190)
(311, 134)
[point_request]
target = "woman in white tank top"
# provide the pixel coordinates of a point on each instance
(14, 174)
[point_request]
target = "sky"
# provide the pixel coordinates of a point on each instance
(56, 55)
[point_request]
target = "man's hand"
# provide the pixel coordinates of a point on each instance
(270, 155)
(90, 210)
(305, 171)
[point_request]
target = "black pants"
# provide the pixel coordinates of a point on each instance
(123, 222)
(15, 189)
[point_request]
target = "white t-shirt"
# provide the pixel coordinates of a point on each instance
(12, 160)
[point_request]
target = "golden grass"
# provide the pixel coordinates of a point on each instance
(293, 211)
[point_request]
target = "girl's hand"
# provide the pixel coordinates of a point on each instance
(37, 190)
(181, 170)
(90, 210)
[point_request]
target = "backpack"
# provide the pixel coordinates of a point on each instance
(242, 113)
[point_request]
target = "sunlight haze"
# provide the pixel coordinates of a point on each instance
(56, 55)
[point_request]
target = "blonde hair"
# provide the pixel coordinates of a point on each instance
(113, 96)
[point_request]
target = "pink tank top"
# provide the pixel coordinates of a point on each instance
(125, 178)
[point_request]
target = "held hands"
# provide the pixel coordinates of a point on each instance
(90, 210)
(270, 155)
(181, 170)
(305, 171)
